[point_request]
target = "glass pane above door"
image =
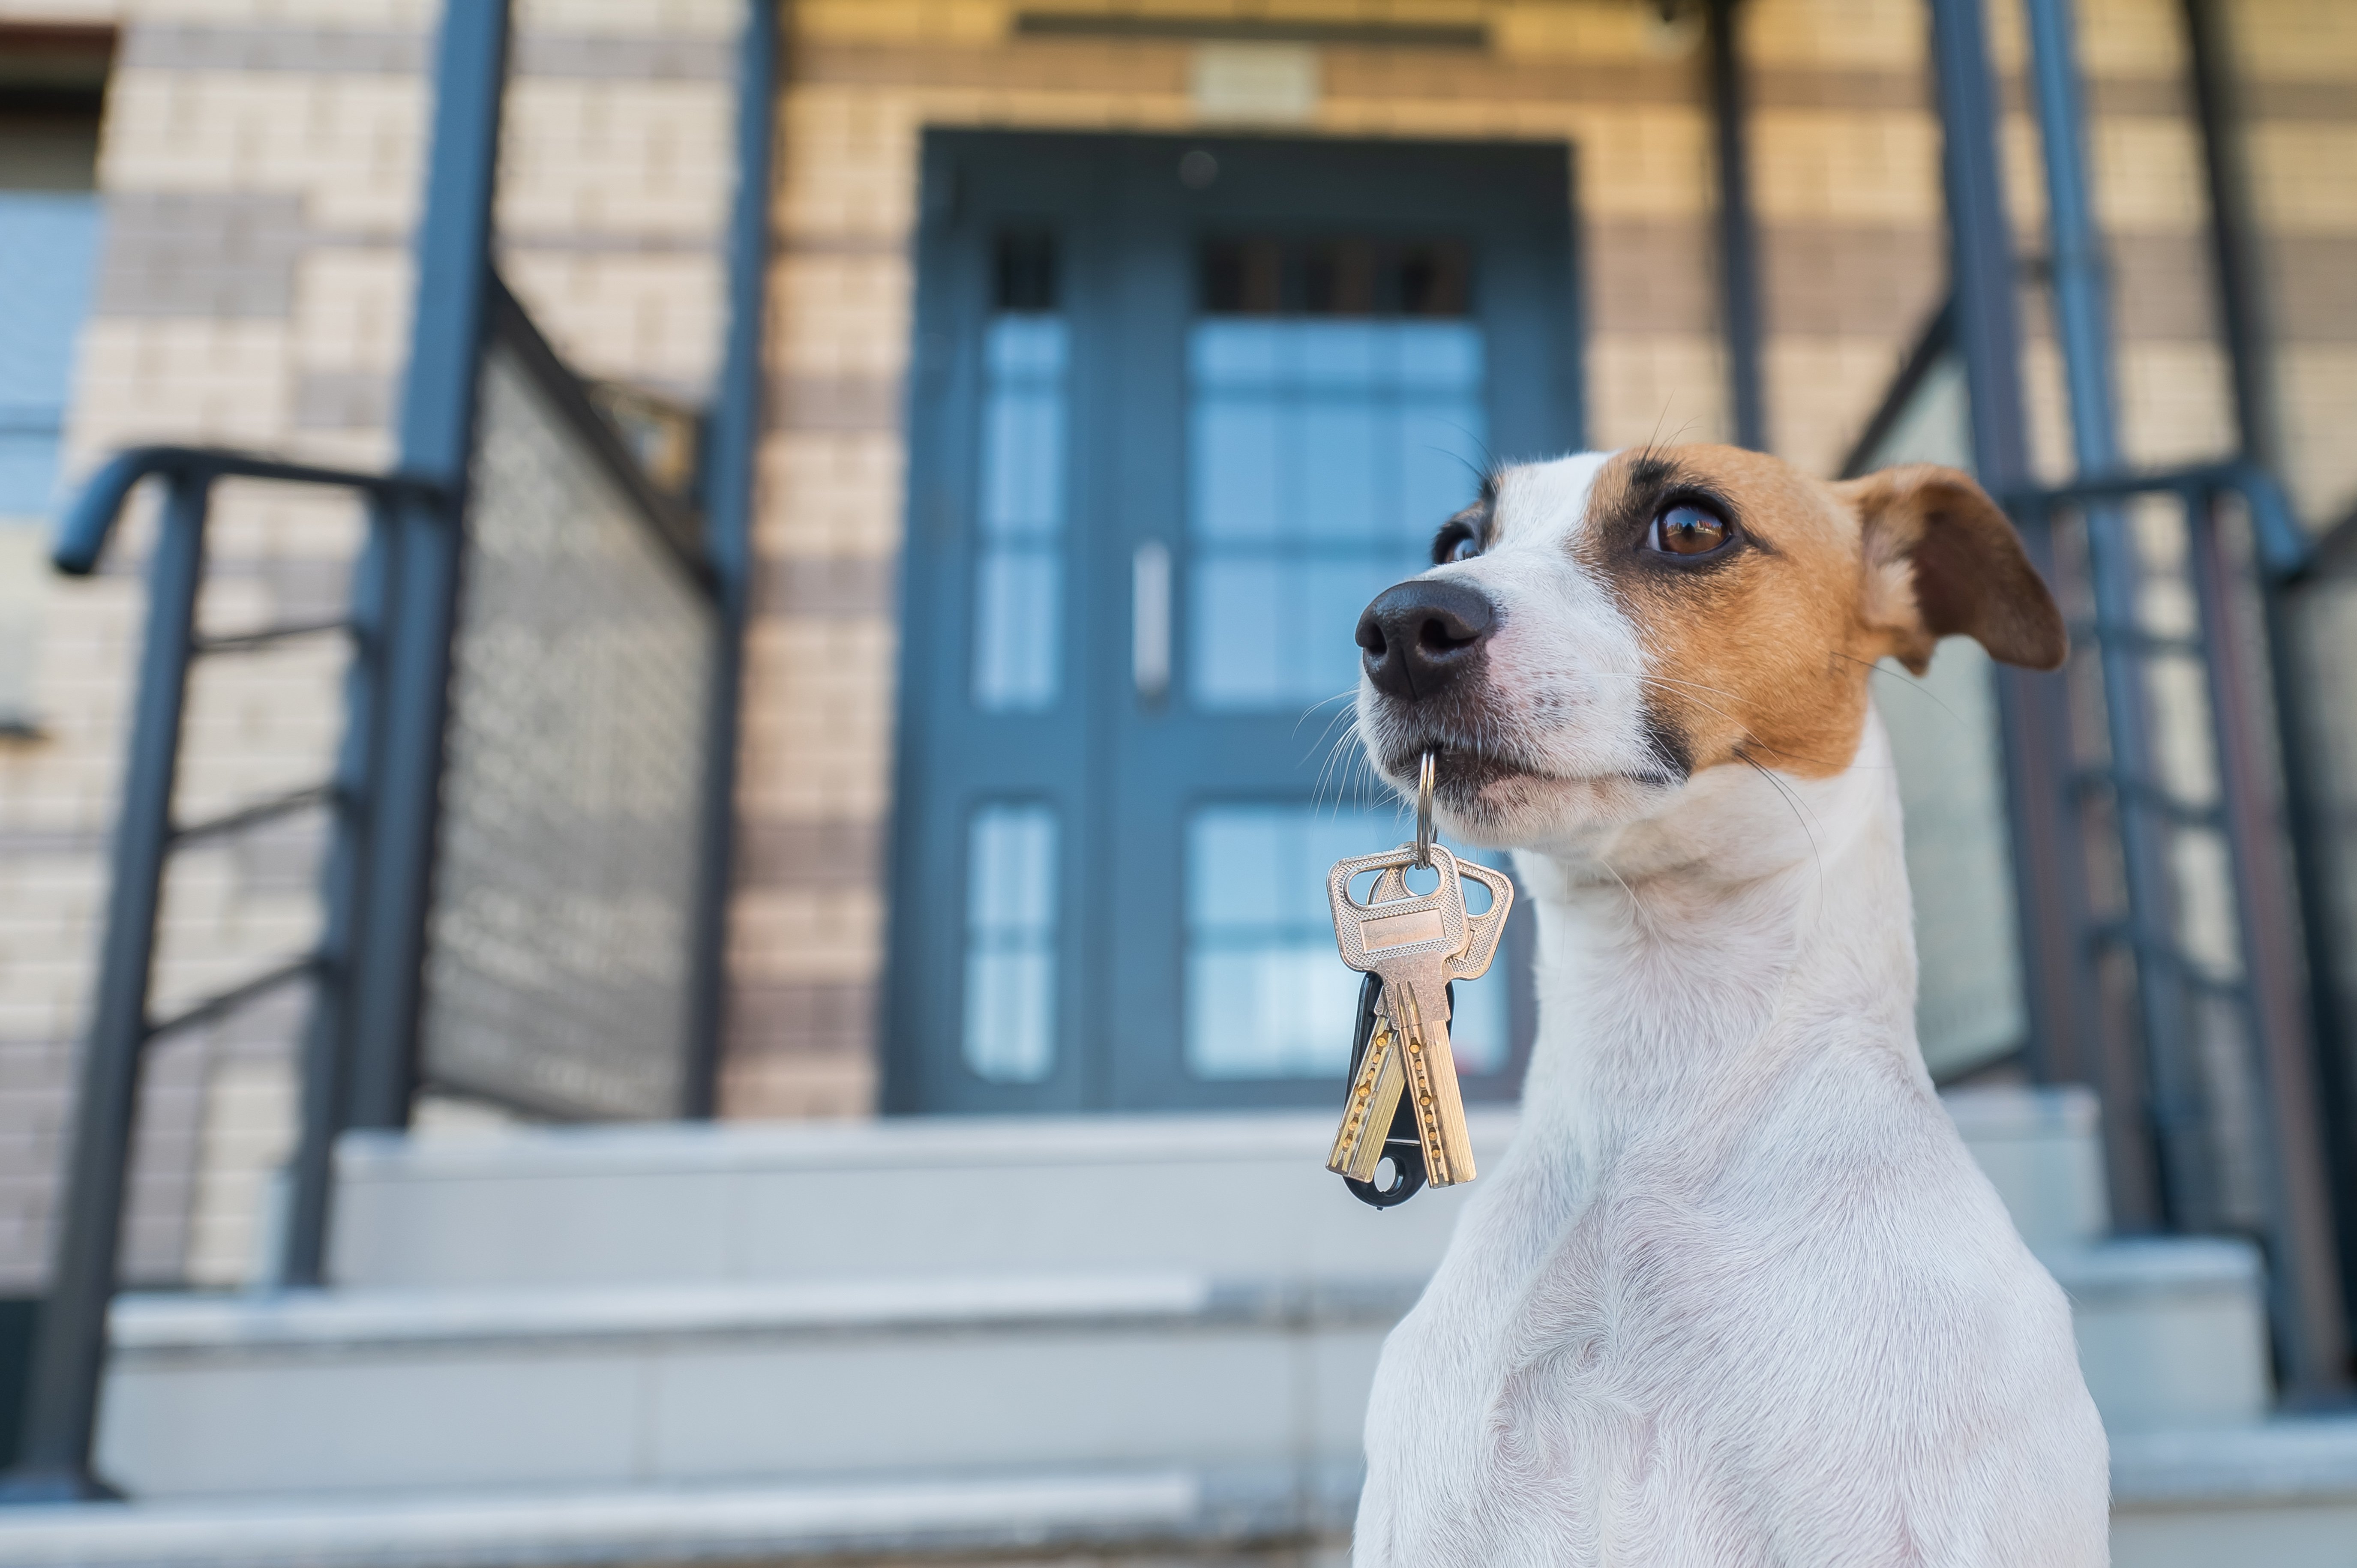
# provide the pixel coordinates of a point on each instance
(1321, 456)
(1266, 994)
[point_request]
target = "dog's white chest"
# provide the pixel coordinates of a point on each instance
(1641, 1377)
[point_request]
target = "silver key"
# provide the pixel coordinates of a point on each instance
(1417, 944)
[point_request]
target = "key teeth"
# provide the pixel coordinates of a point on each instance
(1367, 1118)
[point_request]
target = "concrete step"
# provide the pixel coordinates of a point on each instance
(390, 1391)
(2172, 1331)
(1229, 1193)
(699, 1384)
(2283, 1494)
(1173, 1518)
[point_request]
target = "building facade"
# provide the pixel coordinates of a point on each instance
(252, 181)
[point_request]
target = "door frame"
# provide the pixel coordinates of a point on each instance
(974, 184)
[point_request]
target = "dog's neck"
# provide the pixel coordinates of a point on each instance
(1712, 949)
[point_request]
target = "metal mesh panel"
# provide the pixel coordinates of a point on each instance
(558, 962)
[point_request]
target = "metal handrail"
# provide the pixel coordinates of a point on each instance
(60, 1415)
(2275, 901)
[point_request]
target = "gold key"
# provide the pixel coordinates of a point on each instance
(1415, 944)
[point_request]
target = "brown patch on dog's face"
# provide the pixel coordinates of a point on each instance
(1761, 639)
(1753, 644)
(1648, 615)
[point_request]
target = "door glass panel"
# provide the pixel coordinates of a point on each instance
(1010, 943)
(1265, 994)
(1322, 455)
(1019, 571)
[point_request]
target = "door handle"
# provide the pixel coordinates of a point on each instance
(1149, 620)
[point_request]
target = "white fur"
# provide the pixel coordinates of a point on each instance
(1737, 1294)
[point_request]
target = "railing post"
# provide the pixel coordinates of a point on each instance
(1738, 239)
(325, 1066)
(54, 1459)
(732, 463)
(2083, 324)
(437, 423)
(2048, 866)
(2305, 1297)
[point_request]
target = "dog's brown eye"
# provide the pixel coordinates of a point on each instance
(1688, 530)
(1465, 549)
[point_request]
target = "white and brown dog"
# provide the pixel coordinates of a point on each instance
(1737, 1294)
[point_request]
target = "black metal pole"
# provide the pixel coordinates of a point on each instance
(54, 1458)
(438, 425)
(730, 471)
(2083, 328)
(2048, 866)
(327, 1067)
(2233, 233)
(1739, 245)
(2304, 1297)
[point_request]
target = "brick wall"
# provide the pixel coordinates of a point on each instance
(260, 165)
(1845, 149)
(262, 161)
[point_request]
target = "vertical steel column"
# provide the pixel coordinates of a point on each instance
(438, 426)
(1738, 239)
(730, 473)
(2049, 867)
(2238, 270)
(2083, 325)
(53, 1460)
(2305, 1300)
(2234, 234)
(327, 1070)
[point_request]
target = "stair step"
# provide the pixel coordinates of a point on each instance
(354, 1389)
(2284, 1493)
(1231, 1193)
(390, 1390)
(2172, 1331)
(1245, 1519)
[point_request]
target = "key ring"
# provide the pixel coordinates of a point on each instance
(1424, 778)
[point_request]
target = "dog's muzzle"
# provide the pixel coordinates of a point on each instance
(1422, 636)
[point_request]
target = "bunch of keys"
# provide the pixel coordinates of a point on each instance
(1404, 1102)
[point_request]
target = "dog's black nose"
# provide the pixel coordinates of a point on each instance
(1421, 634)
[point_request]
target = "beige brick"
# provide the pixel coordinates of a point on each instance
(1817, 34)
(797, 1089)
(939, 22)
(2296, 40)
(353, 146)
(1819, 394)
(352, 309)
(840, 316)
(640, 158)
(663, 18)
(2304, 175)
(208, 381)
(798, 934)
(1842, 166)
(1655, 388)
(2318, 386)
(831, 493)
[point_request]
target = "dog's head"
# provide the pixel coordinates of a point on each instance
(1599, 633)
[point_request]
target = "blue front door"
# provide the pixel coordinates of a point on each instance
(1179, 408)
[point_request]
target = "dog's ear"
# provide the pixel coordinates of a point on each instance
(1943, 561)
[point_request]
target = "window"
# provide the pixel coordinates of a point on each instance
(50, 87)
